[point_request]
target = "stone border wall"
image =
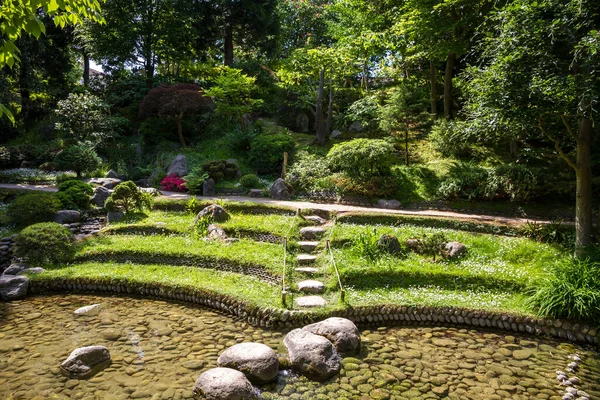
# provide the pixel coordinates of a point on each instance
(369, 316)
(6, 251)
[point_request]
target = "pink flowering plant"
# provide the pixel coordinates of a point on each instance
(173, 184)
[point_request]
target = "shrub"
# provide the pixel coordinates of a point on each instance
(173, 184)
(128, 197)
(194, 180)
(572, 291)
(372, 188)
(240, 140)
(553, 232)
(266, 153)
(34, 207)
(362, 157)
(220, 169)
(46, 242)
(465, 181)
(74, 194)
(250, 181)
(84, 118)
(307, 170)
(79, 158)
(515, 181)
(447, 137)
(431, 245)
(366, 244)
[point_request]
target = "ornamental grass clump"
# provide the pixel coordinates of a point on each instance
(572, 291)
(46, 242)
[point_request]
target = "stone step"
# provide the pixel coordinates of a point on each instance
(312, 232)
(308, 247)
(307, 270)
(304, 259)
(316, 219)
(311, 286)
(310, 301)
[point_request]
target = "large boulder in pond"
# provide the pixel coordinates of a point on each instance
(257, 361)
(86, 361)
(281, 190)
(178, 167)
(100, 195)
(223, 384)
(67, 216)
(342, 332)
(15, 268)
(215, 212)
(454, 249)
(312, 355)
(13, 287)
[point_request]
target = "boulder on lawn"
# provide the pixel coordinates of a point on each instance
(215, 212)
(312, 355)
(454, 249)
(86, 361)
(342, 332)
(67, 216)
(208, 187)
(257, 361)
(13, 287)
(280, 190)
(214, 232)
(389, 244)
(178, 167)
(100, 195)
(223, 384)
(389, 204)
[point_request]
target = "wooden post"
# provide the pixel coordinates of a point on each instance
(285, 161)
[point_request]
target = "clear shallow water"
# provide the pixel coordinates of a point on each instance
(159, 349)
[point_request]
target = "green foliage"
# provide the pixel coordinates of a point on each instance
(46, 242)
(74, 194)
(364, 110)
(240, 140)
(84, 118)
(572, 291)
(193, 206)
(201, 227)
(79, 158)
(448, 138)
(195, 179)
(432, 245)
(250, 181)
(405, 105)
(266, 153)
(308, 171)
(34, 207)
(553, 232)
(366, 244)
(127, 197)
(220, 169)
(362, 157)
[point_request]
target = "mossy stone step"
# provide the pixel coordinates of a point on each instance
(316, 219)
(307, 270)
(312, 232)
(304, 259)
(311, 286)
(308, 247)
(310, 301)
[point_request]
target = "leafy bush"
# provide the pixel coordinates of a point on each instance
(128, 197)
(13, 156)
(34, 207)
(371, 188)
(79, 158)
(46, 242)
(431, 245)
(366, 244)
(465, 181)
(250, 181)
(84, 118)
(194, 180)
(553, 232)
(307, 170)
(266, 152)
(240, 140)
(220, 169)
(515, 181)
(572, 291)
(74, 194)
(447, 138)
(173, 184)
(362, 157)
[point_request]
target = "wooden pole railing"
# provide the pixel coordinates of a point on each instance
(283, 290)
(337, 272)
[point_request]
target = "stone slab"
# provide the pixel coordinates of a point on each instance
(310, 301)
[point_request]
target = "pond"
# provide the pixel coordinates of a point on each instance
(160, 348)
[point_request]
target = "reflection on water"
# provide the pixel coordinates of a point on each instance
(159, 349)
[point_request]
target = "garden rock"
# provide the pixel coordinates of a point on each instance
(88, 311)
(223, 384)
(13, 287)
(356, 126)
(112, 174)
(151, 191)
(312, 355)
(454, 249)
(208, 187)
(281, 190)
(257, 361)
(302, 122)
(255, 193)
(342, 332)
(35, 270)
(67, 216)
(178, 167)
(14, 269)
(108, 183)
(335, 134)
(214, 212)
(389, 204)
(389, 244)
(86, 361)
(100, 195)
(214, 232)
(412, 244)
(114, 216)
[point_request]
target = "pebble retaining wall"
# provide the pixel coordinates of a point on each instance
(369, 316)
(6, 251)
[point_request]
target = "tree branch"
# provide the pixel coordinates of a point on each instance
(569, 129)
(560, 151)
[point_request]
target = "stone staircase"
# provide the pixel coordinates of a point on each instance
(311, 235)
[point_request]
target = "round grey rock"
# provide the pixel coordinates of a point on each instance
(67, 216)
(14, 269)
(342, 332)
(223, 384)
(178, 167)
(312, 355)
(13, 287)
(86, 361)
(215, 212)
(280, 190)
(455, 249)
(91, 310)
(257, 361)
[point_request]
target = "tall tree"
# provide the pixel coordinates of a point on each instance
(540, 76)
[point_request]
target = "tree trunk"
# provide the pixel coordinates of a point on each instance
(320, 120)
(406, 142)
(434, 95)
(448, 103)
(365, 80)
(583, 202)
(228, 55)
(86, 69)
(329, 123)
(180, 129)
